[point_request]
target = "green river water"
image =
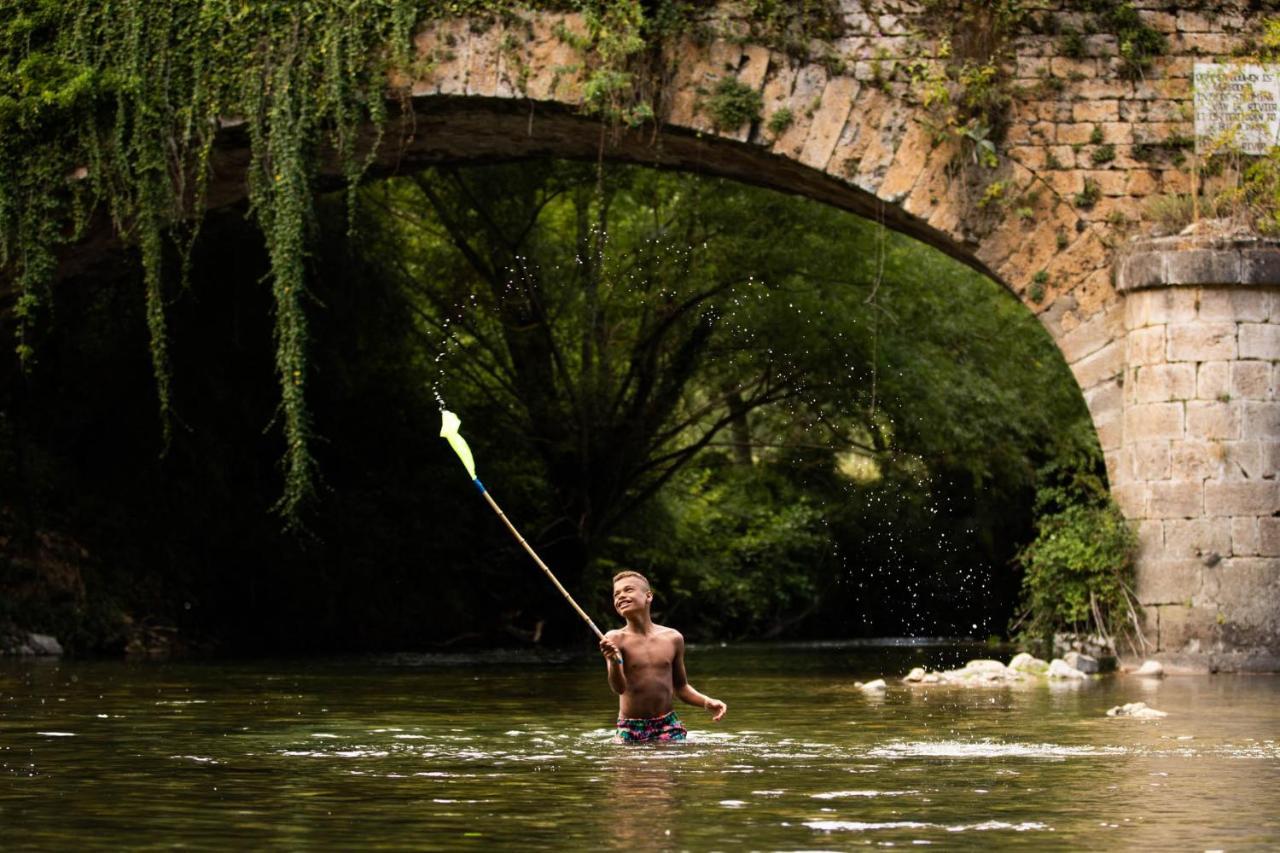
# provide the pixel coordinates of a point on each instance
(504, 751)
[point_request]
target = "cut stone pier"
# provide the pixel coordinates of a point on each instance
(1199, 446)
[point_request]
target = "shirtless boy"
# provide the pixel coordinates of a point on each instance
(653, 668)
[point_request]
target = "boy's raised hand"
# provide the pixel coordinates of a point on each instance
(717, 708)
(609, 650)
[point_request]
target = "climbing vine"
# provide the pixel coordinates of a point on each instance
(110, 110)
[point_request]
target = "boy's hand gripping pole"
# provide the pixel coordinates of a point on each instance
(449, 424)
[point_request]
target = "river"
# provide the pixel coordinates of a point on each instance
(512, 751)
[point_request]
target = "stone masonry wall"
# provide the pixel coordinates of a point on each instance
(1201, 446)
(1172, 370)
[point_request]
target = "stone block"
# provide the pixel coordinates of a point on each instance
(1169, 581)
(1077, 133)
(1150, 540)
(1101, 366)
(1260, 266)
(1143, 182)
(1231, 498)
(1096, 89)
(1195, 460)
(1158, 383)
(1175, 499)
(1196, 538)
(1245, 539)
(1261, 420)
(1201, 341)
(1245, 460)
(1203, 266)
(1210, 419)
(1148, 460)
(1145, 346)
(1182, 627)
(1095, 111)
(1234, 304)
(1251, 380)
(1091, 335)
(1260, 340)
(1248, 593)
(1269, 536)
(1131, 498)
(1212, 380)
(1270, 458)
(1117, 132)
(1153, 422)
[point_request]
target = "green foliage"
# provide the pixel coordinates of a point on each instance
(1089, 196)
(1071, 45)
(118, 104)
(1079, 569)
(780, 121)
(1139, 43)
(1102, 154)
(733, 103)
(1038, 281)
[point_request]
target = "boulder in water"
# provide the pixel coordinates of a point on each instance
(1150, 668)
(871, 686)
(1137, 710)
(1059, 668)
(1082, 662)
(915, 675)
(1030, 664)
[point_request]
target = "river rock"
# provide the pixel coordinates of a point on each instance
(871, 686)
(1137, 710)
(1082, 662)
(23, 643)
(1030, 664)
(915, 675)
(1152, 668)
(1059, 668)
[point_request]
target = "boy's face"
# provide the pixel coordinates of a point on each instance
(630, 594)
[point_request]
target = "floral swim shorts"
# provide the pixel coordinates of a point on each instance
(641, 730)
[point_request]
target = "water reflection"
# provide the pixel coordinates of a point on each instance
(411, 754)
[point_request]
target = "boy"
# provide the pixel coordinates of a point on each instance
(653, 668)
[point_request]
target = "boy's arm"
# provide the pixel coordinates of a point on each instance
(617, 678)
(684, 689)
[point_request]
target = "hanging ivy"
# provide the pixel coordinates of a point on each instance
(111, 108)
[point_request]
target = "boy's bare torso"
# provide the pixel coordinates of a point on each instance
(652, 661)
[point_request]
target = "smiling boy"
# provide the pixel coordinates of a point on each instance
(652, 672)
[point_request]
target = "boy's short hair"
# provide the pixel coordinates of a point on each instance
(630, 573)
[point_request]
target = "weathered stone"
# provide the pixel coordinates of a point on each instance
(1170, 581)
(1269, 536)
(1234, 304)
(1245, 538)
(1146, 346)
(1201, 341)
(1251, 380)
(1195, 538)
(1160, 383)
(1260, 340)
(1175, 499)
(1212, 420)
(1149, 460)
(1212, 380)
(1246, 460)
(1061, 670)
(1078, 660)
(1150, 669)
(1261, 420)
(1195, 460)
(1241, 498)
(1153, 422)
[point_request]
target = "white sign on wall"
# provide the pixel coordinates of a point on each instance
(1237, 107)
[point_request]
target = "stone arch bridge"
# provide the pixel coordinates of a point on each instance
(1174, 342)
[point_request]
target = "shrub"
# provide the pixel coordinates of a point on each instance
(733, 104)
